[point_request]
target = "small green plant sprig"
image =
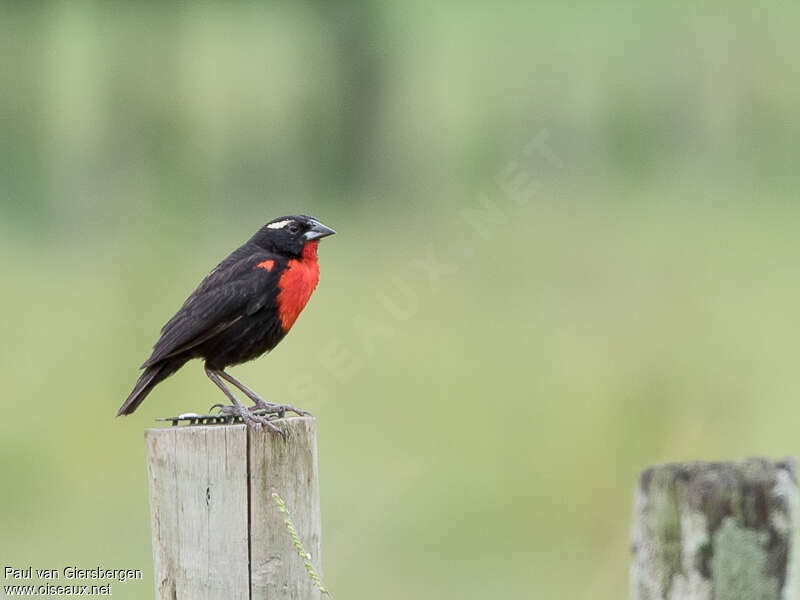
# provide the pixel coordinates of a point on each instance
(298, 546)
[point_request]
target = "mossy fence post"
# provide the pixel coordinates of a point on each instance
(216, 528)
(715, 531)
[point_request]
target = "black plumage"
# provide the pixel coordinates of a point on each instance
(235, 314)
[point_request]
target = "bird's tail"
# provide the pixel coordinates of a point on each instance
(151, 377)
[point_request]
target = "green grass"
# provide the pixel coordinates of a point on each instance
(299, 548)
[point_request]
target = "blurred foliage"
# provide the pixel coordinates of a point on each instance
(481, 426)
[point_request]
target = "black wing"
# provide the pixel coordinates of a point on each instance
(236, 288)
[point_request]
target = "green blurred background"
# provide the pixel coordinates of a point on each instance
(607, 192)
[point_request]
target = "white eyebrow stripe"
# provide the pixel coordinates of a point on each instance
(279, 224)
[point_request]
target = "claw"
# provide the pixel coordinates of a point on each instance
(255, 421)
(280, 409)
(249, 417)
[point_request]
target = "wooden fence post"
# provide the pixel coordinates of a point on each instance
(217, 532)
(721, 531)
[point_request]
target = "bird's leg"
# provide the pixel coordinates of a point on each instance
(237, 409)
(268, 407)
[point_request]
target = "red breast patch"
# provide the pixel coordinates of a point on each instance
(296, 285)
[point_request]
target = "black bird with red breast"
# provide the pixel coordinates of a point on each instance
(241, 310)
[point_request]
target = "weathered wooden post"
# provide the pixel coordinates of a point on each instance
(217, 532)
(721, 531)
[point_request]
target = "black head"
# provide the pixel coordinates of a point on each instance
(289, 235)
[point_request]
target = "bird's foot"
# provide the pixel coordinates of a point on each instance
(267, 408)
(249, 416)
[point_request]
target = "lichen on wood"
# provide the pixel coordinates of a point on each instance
(715, 531)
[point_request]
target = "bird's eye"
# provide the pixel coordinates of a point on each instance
(292, 228)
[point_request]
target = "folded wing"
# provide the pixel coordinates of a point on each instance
(238, 287)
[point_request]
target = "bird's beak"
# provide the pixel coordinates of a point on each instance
(318, 231)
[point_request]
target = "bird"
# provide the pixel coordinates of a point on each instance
(241, 310)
